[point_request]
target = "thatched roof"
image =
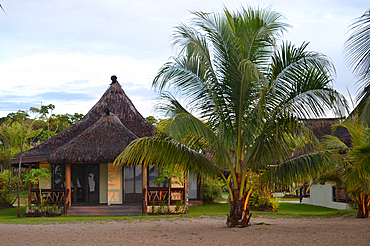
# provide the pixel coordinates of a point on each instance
(100, 143)
(117, 102)
(322, 127)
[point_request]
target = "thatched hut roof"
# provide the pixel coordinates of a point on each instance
(100, 143)
(322, 127)
(116, 101)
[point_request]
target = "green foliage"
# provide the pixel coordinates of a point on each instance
(179, 207)
(211, 191)
(152, 120)
(222, 184)
(260, 198)
(170, 173)
(357, 54)
(352, 169)
(7, 191)
(261, 201)
(46, 134)
(35, 176)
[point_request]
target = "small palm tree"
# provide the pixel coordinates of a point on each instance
(353, 164)
(357, 53)
(246, 95)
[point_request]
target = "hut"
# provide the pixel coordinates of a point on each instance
(81, 161)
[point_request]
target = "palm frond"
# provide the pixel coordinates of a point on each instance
(181, 124)
(301, 168)
(162, 151)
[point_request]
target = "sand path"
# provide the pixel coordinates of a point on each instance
(194, 231)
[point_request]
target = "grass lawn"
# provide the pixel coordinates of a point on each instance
(288, 199)
(218, 209)
(285, 210)
(23, 197)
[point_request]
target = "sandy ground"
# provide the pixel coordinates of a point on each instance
(194, 231)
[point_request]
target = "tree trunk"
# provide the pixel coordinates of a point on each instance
(187, 193)
(169, 197)
(19, 181)
(239, 217)
(10, 168)
(363, 206)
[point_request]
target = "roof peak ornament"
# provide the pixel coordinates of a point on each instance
(114, 79)
(107, 111)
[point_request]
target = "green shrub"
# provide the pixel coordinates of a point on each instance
(211, 191)
(6, 194)
(259, 200)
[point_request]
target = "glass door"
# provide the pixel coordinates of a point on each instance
(85, 183)
(133, 184)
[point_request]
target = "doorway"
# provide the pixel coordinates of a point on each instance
(85, 184)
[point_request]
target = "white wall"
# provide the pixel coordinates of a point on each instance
(322, 195)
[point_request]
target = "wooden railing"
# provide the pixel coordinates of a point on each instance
(161, 194)
(51, 196)
(339, 194)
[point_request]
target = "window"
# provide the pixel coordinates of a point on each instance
(58, 172)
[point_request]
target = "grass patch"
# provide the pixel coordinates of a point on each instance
(284, 210)
(288, 199)
(217, 210)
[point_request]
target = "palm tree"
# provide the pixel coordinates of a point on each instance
(353, 164)
(357, 54)
(246, 95)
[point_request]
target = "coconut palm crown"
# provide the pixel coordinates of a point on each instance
(357, 54)
(246, 93)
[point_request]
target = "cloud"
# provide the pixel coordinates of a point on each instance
(60, 96)
(328, 16)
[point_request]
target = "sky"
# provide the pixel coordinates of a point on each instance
(64, 52)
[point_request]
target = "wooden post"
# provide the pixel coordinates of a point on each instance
(187, 192)
(144, 172)
(68, 182)
(29, 184)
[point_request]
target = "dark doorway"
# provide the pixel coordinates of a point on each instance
(85, 183)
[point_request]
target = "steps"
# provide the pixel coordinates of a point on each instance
(112, 210)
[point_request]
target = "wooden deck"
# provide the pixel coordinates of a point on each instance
(105, 210)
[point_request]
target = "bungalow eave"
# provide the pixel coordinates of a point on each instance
(29, 160)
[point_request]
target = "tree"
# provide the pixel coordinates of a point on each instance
(171, 174)
(22, 131)
(357, 54)
(36, 176)
(152, 120)
(250, 95)
(353, 164)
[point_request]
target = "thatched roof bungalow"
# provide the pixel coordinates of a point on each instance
(81, 159)
(113, 99)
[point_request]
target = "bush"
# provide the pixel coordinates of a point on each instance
(211, 191)
(6, 195)
(262, 202)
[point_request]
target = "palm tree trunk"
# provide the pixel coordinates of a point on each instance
(363, 206)
(239, 213)
(169, 197)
